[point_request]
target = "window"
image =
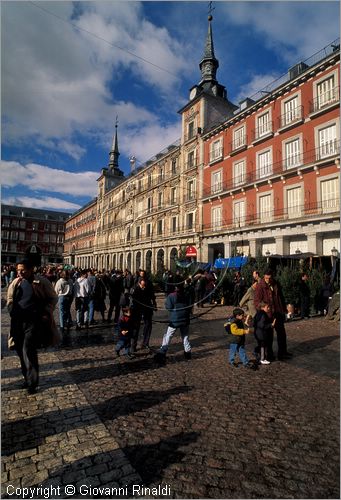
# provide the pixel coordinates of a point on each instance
(330, 199)
(325, 92)
(160, 200)
(14, 223)
(14, 235)
(190, 220)
(149, 180)
(216, 181)
(128, 235)
(34, 237)
(47, 227)
(239, 213)
(53, 228)
(60, 229)
(13, 247)
(159, 227)
(4, 247)
(174, 224)
(292, 153)
(138, 232)
(5, 235)
(239, 173)
(174, 166)
(148, 232)
(22, 224)
(216, 218)
(60, 239)
(216, 150)
(22, 236)
(139, 185)
(173, 195)
(190, 130)
(149, 204)
(239, 138)
(292, 111)
(294, 202)
(264, 125)
(265, 208)
(190, 160)
(46, 238)
(190, 190)
(5, 223)
(264, 166)
(161, 174)
(53, 238)
(327, 141)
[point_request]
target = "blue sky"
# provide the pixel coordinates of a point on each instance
(63, 87)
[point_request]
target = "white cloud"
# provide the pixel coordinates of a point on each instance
(256, 83)
(42, 178)
(295, 29)
(56, 78)
(47, 202)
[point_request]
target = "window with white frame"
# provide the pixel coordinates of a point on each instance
(329, 192)
(294, 202)
(292, 111)
(160, 200)
(239, 173)
(264, 125)
(34, 237)
(325, 92)
(5, 235)
(190, 189)
(292, 153)
(4, 247)
(216, 217)
(216, 150)
(22, 236)
(265, 207)
(149, 204)
(264, 163)
(239, 213)
(327, 141)
(239, 138)
(216, 181)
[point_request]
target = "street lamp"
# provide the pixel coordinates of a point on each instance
(298, 251)
(334, 252)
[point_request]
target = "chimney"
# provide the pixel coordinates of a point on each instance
(132, 160)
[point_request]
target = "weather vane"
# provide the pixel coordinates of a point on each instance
(116, 124)
(210, 8)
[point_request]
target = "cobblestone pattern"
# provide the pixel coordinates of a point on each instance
(201, 427)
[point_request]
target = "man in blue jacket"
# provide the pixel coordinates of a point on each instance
(178, 304)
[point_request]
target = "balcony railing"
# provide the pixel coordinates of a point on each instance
(325, 100)
(265, 130)
(309, 210)
(324, 152)
(291, 117)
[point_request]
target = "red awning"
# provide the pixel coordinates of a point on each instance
(191, 251)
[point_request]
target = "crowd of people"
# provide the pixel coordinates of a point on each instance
(33, 294)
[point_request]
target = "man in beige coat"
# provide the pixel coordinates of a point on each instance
(31, 301)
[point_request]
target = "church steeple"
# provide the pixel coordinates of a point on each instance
(114, 153)
(209, 64)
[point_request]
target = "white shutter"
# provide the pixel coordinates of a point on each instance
(291, 111)
(264, 164)
(239, 173)
(216, 217)
(263, 124)
(294, 202)
(327, 141)
(239, 213)
(330, 199)
(325, 92)
(216, 181)
(292, 153)
(239, 138)
(265, 208)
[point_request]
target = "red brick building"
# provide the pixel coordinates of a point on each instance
(271, 172)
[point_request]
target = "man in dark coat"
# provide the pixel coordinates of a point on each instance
(144, 303)
(115, 292)
(269, 292)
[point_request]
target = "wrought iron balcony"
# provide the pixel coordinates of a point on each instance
(325, 100)
(291, 117)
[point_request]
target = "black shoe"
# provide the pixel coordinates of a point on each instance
(188, 355)
(251, 366)
(78, 327)
(283, 357)
(32, 390)
(118, 354)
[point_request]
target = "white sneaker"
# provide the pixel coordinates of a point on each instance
(265, 362)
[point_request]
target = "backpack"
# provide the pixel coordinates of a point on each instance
(228, 323)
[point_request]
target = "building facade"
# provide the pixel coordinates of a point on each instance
(261, 177)
(23, 227)
(271, 173)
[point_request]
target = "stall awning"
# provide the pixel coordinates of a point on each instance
(230, 263)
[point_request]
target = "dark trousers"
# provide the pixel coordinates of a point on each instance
(114, 304)
(281, 337)
(23, 331)
(305, 306)
(147, 316)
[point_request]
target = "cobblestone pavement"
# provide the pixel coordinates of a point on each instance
(197, 429)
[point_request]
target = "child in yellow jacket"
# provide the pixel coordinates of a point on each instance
(237, 339)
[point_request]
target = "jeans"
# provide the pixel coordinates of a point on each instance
(64, 303)
(184, 329)
(123, 343)
(238, 349)
(82, 310)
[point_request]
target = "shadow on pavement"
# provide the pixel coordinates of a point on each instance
(27, 433)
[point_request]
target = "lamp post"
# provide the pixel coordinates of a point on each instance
(334, 258)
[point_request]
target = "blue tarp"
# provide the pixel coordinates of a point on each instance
(230, 263)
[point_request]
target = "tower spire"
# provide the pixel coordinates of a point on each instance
(114, 153)
(209, 64)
